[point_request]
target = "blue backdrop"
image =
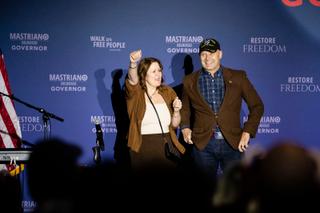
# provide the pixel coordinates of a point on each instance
(71, 58)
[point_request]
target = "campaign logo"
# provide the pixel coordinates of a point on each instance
(183, 44)
(68, 82)
(29, 205)
(98, 41)
(263, 44)
(300, 84)
(36, 42)
(107, 123)
(268, 124)
(31, 124)
(298, 3)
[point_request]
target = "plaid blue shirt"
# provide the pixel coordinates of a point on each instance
(212, 88)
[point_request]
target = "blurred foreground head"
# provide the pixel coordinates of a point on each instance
(52, 169)
(287, 176)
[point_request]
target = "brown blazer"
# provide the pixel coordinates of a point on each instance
(237, 88)
(136, 105)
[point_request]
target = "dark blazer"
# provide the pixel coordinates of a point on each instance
(237, 88)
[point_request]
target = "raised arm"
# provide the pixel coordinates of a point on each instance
(135, 56)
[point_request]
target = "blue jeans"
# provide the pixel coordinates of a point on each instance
(217, 153)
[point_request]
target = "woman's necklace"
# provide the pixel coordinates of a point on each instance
(153, 94)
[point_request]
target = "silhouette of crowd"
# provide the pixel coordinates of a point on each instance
(284, 178)
(58, 184)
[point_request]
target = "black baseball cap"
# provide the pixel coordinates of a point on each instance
(209, 44)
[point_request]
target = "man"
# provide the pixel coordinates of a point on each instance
(211, 99)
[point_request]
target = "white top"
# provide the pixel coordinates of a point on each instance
(150, 123)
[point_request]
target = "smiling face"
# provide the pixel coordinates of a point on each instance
(211, 61)
(150, 73)
(154, 75)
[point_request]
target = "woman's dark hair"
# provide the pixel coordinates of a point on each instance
(143, 67)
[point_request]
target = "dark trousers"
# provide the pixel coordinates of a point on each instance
(151, 153)
(217, 153)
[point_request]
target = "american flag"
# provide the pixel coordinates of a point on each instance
(10, 132)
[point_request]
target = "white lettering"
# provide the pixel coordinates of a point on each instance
(258, 48)
(67, 89)
(312, 88)
(184, 39)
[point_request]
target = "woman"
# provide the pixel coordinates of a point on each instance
(145, 138)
